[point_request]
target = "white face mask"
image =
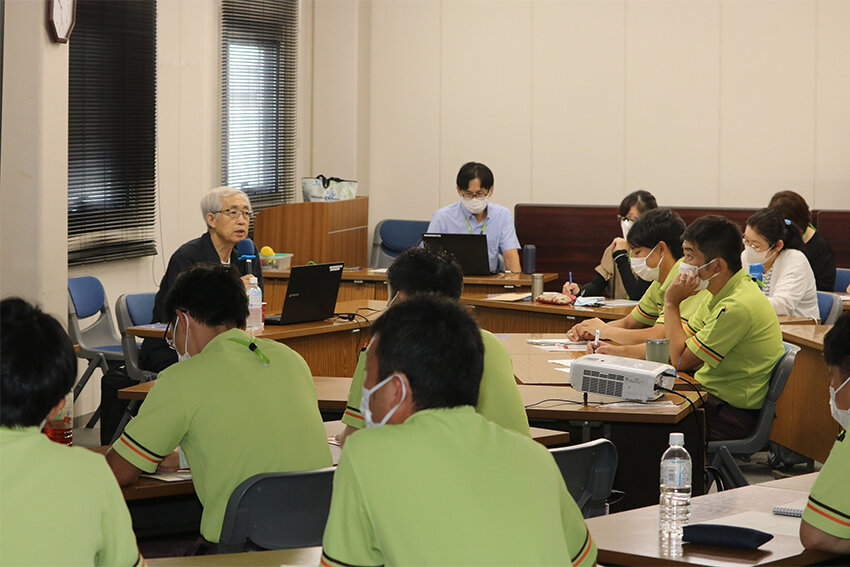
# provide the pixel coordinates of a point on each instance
(476, 205)
(185, 355)
(842, 416)
(643, 271)
(366, 412)
(626, 225)
(751, 256)
(685, 268)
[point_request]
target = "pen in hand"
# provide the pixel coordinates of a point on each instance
(596, 342)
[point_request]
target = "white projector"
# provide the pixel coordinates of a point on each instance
(621, 377)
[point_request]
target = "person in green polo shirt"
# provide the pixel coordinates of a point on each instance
(826, 518)
(418, 270)
(439, 484)
(58, 505)
(655, 241)
(236, 405)
(734, 336)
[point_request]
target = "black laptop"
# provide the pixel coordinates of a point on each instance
(310, 294)
(470, 250)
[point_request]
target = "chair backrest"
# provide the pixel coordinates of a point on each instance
(842, 280)
(134, 309)
(588, 470)
(392, 237)
(86, 298)
(757, 441)
(830, 307)
(278, 511)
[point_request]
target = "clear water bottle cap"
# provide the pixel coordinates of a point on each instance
(252, 280)
(677, 439)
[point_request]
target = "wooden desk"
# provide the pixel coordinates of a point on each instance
(330, 347)
(803, 423)
(272, 558)
(631, 538)
(530, 317)
(800, 483)
(370, 283)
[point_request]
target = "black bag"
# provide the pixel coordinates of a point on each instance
(111, 408)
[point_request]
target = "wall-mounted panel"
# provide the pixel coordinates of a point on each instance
(405, 110)
(485, 100)
(672, 100)
(767, 100)
(577, 102)
(832, 126)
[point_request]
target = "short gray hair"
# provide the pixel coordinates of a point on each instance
(212, 201)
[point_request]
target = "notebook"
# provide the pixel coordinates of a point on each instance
(310, 294)
(470, 250)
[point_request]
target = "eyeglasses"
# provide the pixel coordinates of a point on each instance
(480, 194)
(622, 218)
(757, 246)
(234, 213)
(168, 335)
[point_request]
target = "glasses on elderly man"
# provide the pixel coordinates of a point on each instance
(234, 213)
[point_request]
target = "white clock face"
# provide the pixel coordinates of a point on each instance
(63, 17)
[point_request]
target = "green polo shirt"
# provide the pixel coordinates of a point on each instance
(233, 416)
(736, 334)
(499, 399)
(449, 487)
(828, 508)
(60, 505)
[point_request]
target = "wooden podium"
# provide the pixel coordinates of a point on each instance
(326, 231)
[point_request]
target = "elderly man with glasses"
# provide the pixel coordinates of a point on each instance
(227, 214)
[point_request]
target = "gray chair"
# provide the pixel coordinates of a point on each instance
(392, 237)
(97, 342)
(830, 306)
(277, 511)
(757, 441)
(725, 472)
(133, 309)
(588, 470)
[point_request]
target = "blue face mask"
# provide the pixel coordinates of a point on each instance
(366, 412)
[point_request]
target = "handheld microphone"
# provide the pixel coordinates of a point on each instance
(245, 249)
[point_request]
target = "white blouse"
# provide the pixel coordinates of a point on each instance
(792, 288)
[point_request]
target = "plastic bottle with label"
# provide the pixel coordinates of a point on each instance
(255, 323)
(675, 504)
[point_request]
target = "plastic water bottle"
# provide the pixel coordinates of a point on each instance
(675, 504)
(255, 321)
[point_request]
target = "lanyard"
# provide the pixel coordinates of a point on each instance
(252, 346)
(469, 226)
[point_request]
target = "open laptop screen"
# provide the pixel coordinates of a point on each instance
(310, 295)
(470, 250)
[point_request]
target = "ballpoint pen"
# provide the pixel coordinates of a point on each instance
(596, 342)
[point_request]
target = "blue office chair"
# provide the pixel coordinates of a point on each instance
(277, 511)
(588, 470)
(133, 309)
(758, 439)
(830, 307)
(392, 237)
(98, 342)
(842, 280)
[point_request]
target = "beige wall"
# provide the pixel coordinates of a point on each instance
(704, 103)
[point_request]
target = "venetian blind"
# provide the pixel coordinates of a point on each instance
(259, 64)
(112, 131)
